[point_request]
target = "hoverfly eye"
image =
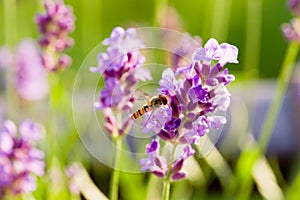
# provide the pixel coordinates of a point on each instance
(165, 100)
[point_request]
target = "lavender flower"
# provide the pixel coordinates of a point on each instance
(294, 6)
(291, 31)
(32, 78)
(158, 165)
(195, 94)
(121, 67)
(20, 161)
(54, 26)
(71, 172)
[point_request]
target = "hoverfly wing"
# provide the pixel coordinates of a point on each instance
(140, 95)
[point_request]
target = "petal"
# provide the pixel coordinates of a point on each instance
(178, 176)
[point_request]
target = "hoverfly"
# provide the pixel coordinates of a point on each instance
(154, 102)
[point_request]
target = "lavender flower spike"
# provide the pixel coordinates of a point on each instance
(54, 26)
(121, 68)
(20, 161)
(32, 82)
(157, 164)
(294, 6)
(195, 94)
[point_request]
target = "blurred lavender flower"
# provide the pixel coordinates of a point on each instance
(71, 172)
(194, 97)
(294, 6)
(291, 31)
(32, 77)
(121, 67)
(54, 26)
(184, 50)
(20, 161)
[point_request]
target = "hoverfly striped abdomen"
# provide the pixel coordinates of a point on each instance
(155, 101)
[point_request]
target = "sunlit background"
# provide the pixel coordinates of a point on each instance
(254, 26)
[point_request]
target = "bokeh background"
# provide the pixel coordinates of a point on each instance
(254, 26)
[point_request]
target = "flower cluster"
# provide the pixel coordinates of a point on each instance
(121, 68)
(195, 95)
(158, 164)
(20, 161)
(291, 30)
(31, 76)
(55, 25)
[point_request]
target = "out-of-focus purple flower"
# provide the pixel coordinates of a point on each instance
(195, 94)
(32, 77)
(6, 57)
(20, 161)
(291, 31)
(72, 171)
(294, 6)
(157, 164)
(54, 25)
(184, 50)
(177, 173)
(121, 68)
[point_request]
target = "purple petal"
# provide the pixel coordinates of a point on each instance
(6, 143)
(177, 166)
(178, 176)
(30, 130)
(153, 146)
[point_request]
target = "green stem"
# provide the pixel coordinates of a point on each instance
(10, 28)
(114, 181)
(253, 38)
(166, 190)
(283, 80)
(220, 19)
(167, 181)
(53, 79)
(159, 6)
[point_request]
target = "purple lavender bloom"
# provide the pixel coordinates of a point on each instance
(72, 171)
(32, 82)
(291, 31)
(157, 164)
(20, 161)
(121, 68)
(168, 84)
(195, 93)
(294, 6)
(156, 120)
(54, 26)
(198, 94)
(177, 173)
(122, 55)
(170, 129)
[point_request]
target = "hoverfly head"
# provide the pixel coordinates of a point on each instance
(164, 99)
